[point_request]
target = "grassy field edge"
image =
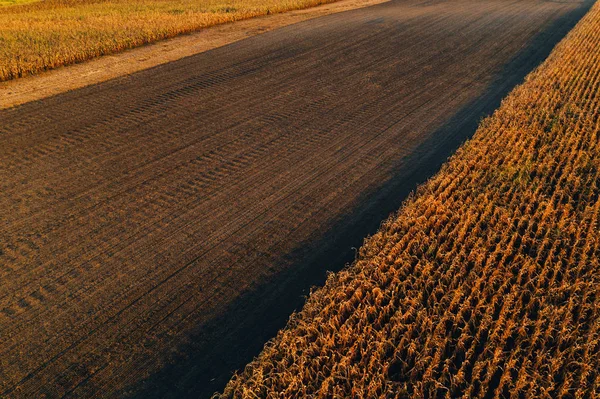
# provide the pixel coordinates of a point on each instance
(41, 36)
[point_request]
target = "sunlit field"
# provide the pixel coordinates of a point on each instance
(36, 36)
(486, 284)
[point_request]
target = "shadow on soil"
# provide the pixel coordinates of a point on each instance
(228, 343)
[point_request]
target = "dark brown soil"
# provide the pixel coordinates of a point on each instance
(157, 229)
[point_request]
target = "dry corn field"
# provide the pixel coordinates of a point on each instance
(157, 229)
(41, 35)
(486, 283)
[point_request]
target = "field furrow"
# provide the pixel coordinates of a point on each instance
(157, 228)
(486, 283)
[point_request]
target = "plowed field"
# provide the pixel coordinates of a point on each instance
(140, 216)
(486, 283)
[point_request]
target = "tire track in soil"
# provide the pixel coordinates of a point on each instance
(142, 209)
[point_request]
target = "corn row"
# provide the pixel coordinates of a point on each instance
(486, 282)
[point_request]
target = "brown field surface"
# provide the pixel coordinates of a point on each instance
(486, 283)
(41, 35)
(61, 80)
(156, 229)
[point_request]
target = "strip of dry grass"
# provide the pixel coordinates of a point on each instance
(486, 284)
(15, 2)
(44, 35)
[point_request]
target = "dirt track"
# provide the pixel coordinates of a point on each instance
(57, 81)
(144, 214)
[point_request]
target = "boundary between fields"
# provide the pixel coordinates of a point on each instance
(71, 77)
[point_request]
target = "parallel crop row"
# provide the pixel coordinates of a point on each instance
(486, 283)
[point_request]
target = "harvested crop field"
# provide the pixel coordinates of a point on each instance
(486, 284)
(174, 216)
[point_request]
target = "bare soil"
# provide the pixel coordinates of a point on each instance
(31, 88)
(157, 228)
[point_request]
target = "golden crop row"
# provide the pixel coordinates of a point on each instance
(486, 283)
(52, 33)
